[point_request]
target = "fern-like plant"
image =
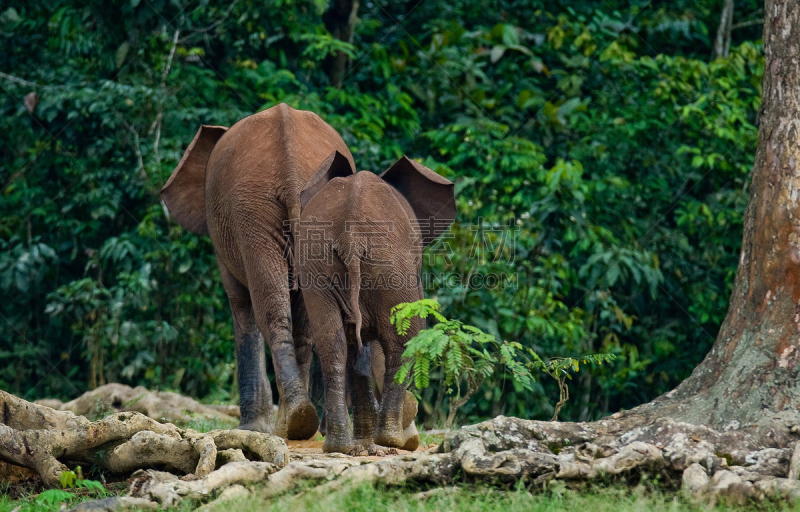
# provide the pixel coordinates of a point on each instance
(466, 354)
(402, 313)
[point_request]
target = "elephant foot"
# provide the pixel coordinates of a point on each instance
(344, 445)
(301, 421)
(390, 438)
(258, 425)
(409, 440)
(411, 435)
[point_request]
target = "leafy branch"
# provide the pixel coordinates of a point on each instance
(402, 313)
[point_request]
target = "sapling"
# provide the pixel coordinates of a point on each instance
(465, 354)
(559, 368)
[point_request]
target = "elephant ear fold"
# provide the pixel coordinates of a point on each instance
(335, 166)
(184, 194)
(431, 196)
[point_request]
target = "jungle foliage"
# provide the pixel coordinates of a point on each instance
(601, 160)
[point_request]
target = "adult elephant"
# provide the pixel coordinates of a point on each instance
(241, 187)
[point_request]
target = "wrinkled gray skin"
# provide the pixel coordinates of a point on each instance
(410, 405)
(241, 186)
(359, 254)
(376, 370)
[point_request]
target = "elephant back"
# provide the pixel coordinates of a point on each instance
(253, 181)
(270, 155)
(357, 209)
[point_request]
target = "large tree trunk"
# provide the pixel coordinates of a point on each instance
(340, 20)
(750, 379)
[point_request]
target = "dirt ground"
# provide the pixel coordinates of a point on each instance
(307, 450)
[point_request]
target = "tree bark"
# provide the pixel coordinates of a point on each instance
(750, 377)
(340, 20)
(722, 44)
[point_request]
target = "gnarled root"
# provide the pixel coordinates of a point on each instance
(168, 490)
(159, 405)
(42, 439)
(708, 464)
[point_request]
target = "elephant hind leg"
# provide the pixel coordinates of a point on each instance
(365, 406)
(333, 354)
(303, 340)
(267, 272)
(331, 346)
(392, 420)
(255, 394)
(409, 405)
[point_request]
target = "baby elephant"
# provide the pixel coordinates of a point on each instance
(359, 247)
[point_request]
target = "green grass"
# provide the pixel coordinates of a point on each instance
(34, 503)
(465, 498)
(426, 439)
(480, 498)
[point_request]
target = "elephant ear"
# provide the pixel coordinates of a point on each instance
(335, 166)
(431, 196)
(185, 192)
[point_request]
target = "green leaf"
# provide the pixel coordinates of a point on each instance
(53, 497)
(122, 53)
(66, 478)
(497, 53)
(613, 274)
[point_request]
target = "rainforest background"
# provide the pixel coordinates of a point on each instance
(601, 152)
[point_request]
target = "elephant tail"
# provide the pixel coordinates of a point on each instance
(294, 228)
(354, 273)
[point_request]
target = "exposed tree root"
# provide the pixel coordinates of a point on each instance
(114, 504)
(44, 440)
(707, 464)
(159, 405)
(168, 490)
